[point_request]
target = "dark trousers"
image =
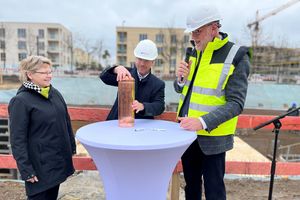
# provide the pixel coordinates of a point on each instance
(50, 194)
(210, 169)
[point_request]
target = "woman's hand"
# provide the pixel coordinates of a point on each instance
(33, 179)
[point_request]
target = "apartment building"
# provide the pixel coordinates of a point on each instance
(19, 40)
(171, 44)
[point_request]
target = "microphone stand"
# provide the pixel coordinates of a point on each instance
(277, 125)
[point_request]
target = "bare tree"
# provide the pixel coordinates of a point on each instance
(32, 42)
(93, 50)
(86, 45)
(173, 46)
(70, 44)
(166, 45)
(98, 50)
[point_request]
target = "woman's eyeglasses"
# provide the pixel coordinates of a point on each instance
(44, 73)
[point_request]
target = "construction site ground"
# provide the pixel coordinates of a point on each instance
(86, 185)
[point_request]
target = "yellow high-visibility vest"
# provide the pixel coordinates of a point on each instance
(208, 88)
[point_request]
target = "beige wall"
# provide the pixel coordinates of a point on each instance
(133, 35)
(80, 56)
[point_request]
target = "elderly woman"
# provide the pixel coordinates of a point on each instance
(42, 139)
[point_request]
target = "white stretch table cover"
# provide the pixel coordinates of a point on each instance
(135, 163)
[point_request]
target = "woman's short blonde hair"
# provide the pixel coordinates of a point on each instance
(32, 64)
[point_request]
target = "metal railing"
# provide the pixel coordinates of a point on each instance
(287, 155)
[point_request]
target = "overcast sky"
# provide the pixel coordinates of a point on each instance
(97, 19)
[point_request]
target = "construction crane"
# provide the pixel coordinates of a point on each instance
(255, 24)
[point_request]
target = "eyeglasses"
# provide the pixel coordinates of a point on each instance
(44, 73)
(199, 30)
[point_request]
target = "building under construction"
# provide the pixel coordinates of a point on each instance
(269, 63)
(280, 65)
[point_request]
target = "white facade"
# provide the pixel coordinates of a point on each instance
(19, 40)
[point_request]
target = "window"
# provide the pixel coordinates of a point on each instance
(2, 44)
(53, 34)
(122, 48)
(41, 45)
(21, 45)
(143, 37)
(173, 51)
(122, 60)
(21, 33)
(2, 32)
(173, 39)
(160, 50)
(22, 56)
(41, 33)
(122, 36)
(159, 38)
(173, 64)
(158, 62)
(53, 46)
(54, 58)
(3, 57)
(186, 39)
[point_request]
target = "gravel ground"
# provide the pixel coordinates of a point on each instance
(86, 185)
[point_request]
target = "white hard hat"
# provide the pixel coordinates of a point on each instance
(200, 16)
(146, 49)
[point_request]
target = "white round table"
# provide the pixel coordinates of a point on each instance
(135, 163)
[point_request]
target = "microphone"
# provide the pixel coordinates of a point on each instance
(188, 53)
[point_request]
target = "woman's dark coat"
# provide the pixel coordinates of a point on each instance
(42, 139)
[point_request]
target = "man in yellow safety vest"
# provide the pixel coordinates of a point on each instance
(213, 86)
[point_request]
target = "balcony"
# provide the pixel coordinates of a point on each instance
(53, 49)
